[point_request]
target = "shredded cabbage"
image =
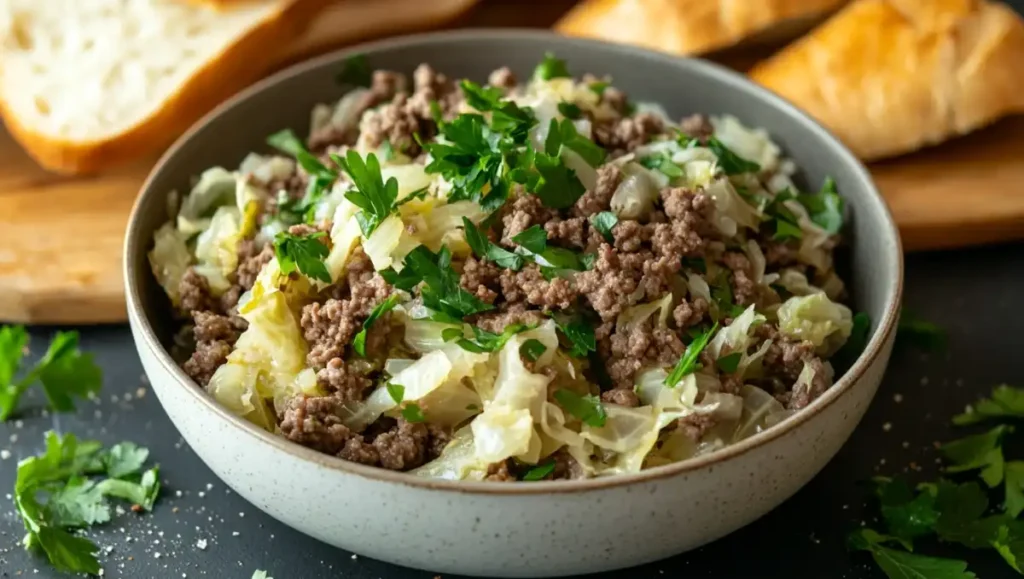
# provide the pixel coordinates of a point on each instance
(217, 246)
(383, 242)
(817, 319)
(345, 236)
(807, 375)
(169, 259)
(635, 196)
(757, 406)
(216, 187)
(420, 379)
(736, 337)
(731, 211)
(634, 316)
(629, 432)
(795, 282)
(751, 144)
(586, 174)
(458, 460)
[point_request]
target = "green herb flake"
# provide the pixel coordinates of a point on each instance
(375, 197)
(551, 67)
(1014, 502)
(484, 341)
(587, 408)
(396, 392)
(898, 564)
(982, 452)
(688, 362)
(786, 230)
(580, 335)
(64, 372)
(532, 349)
(825, 207)
(539, 472)
(570, 110)
(302, 253)
(533, 239)
(484, 249)
(730, 162)
(359, 342)
(664, 164)
(356, 71)
(604, 222)
(442, 292)
(915, 331)
(413, 413)
(1005, 402)
(598, 87)
(730, 362)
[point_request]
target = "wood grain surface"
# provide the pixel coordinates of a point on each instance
(61, 238)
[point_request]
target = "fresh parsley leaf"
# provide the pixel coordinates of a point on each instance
(539, 472)
(730, 362)
(124, 459)
(13, 340)
(570, 110)
(484, 249)
(260, 574)
(442, 292)
(472, 159)
(786, 222)
(721, 295)
(356, 71)
(598, 87)
(359, 342)
(287, 142)
(907, 516)
(64, 372)
(786, 230)
(406, 280)
(483, 341)
(664, 164)
(1009, 543)
(960, 508)
(413, 413)
(695, 263)
(564, 134)
(980, 451)
(603, 222)
(534, 239)
(826, 207)
(1014, 503)
(303, 253)
(1005, 402)
(557, 185)
(375, 197)
(587, 408)
(533, 242)
(532, 349)
(730, 162)
(919, 332)
(550, 68)
(902, 565)
(396, 391)
(688, 362)
(79, 503)
(858, 340)
(580, 335)
(142, 493)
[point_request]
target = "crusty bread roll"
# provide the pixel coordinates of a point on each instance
(690, 26)
(891, 76)
(88, 84)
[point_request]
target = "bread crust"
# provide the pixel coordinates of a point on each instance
(238, 66)
(892, 76)
(686, 26)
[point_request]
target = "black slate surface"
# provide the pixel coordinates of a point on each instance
(974, 295)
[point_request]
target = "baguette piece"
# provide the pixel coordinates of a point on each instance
(891, 76)
(691, 26)
(89, 84)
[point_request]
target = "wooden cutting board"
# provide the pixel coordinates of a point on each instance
(61, 238)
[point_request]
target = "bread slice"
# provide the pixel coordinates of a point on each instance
(692, 26)
(88, 84)
(892, 76)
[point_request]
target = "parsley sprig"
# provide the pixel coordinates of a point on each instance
(359, 342)
(483, 341)
(68, 487)
(441, 291)
(587, 408)
(533, 244)
(1005, 402)
(484, 249)
(64, 372)
(375, 197)
(302, 253)
(688, 361)
(579, 333)
(321, 178)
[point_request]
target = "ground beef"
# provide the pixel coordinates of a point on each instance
(384, 86)
(499, 472)
(252, 256)
(439, 439)
(566, 466)
(367, 289)
(607, 287)
(744, 288)
(207, 357)
(210, 327)
(522, 213)
(621, 136)
(641, 346)
(502, 78)
(689, 214)
(432, 86)
(395, 123)
(530, 286)
(344, 383)
(480, 278)
(194, 293)
(403, 447)
(800, 397)
(570, 232)
(621, 396)
(698, 127)
(313, 421)
(599, 199)
(779, 253)
(509, 314)
(695, 425)
(690, 313)
(630, 235)
(328, 328)
(785, 357)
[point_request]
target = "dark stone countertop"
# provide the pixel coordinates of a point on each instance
(973, 294)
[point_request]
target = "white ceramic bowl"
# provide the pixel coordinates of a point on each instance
(518, 529)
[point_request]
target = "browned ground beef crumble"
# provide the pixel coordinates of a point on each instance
(638, 265)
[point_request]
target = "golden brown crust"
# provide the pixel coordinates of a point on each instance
(241, 64)
(891, 76)
(686, 26)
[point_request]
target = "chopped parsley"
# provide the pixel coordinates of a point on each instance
(413, 413)
(533, 243)
(484, 249)
(304, 253)
(321, 177)
(532, 349)
(588, 408)
(539, 472)
(598, 87)
(730, 162)
(903, 565)
(786, 222)
(359, 342)
(664, 164)
(721, 294)
(570, 110)
(372, 195)
(441, 292)
(730, 362)
(825, 207)
(579, 333)
(64, 372)
(688, 361)
(1004, 402)
(918, 332)
(604, 222)
(551, 67)
(983, 452)
(483, 341)
(356, 71)
(395, 391)
(68, 487)
(564, 134)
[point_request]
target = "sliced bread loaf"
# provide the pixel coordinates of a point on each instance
(88, 84)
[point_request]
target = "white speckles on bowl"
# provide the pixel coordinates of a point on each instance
(518, 529)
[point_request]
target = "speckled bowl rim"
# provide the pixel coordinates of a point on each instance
(137, 240)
